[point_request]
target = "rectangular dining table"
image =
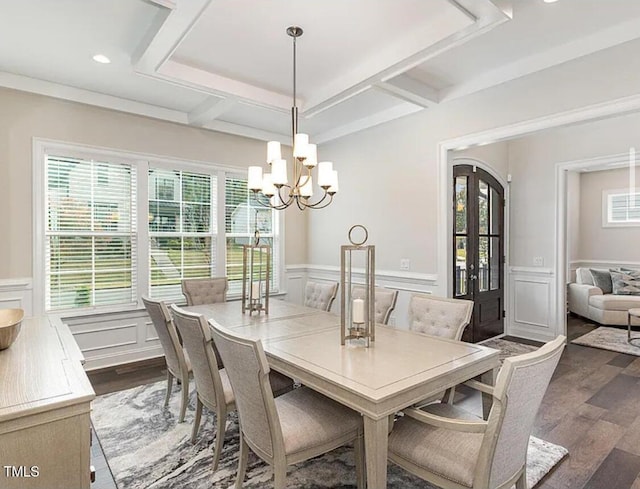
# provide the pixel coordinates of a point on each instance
(399, 369)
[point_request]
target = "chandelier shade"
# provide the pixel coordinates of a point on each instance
(272, 188)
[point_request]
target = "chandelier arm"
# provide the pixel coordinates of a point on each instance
(317, 204)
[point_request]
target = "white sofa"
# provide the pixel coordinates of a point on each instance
(587, 300)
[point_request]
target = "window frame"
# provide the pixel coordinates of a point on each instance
(606, 208)
(141, 162)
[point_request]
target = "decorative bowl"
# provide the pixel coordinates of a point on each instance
(10, 322)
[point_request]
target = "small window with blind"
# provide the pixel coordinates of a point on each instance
(90, 239)
(182, 229)
(243, 216)
(620, 208)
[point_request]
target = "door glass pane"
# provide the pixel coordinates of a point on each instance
(461, 266)
(483, 206)
(494, 260)
(461, 204)
(495, 212)
(483, 263)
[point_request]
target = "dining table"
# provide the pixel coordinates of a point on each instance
(397, 370)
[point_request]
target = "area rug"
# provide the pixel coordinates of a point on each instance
(146, 447)
(613, 339)
(509, 348)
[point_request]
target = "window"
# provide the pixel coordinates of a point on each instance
(620, 208)
(89, 237)
(243, 215)
(182, 229)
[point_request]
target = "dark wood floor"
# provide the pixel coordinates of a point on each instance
(592, 408)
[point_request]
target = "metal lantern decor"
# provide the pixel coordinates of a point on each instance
(256, 263)
(357, 316)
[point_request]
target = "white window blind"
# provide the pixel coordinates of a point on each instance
(620, 208)
(90, 240)
(243, 215)
(182, 229)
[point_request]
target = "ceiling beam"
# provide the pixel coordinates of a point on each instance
(170, 4)
(209, 110)
(410, 90)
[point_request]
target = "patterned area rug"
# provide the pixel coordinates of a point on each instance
(509, 348)
(146, 447)
(613, 339)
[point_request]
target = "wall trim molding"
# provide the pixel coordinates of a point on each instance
(11, 284)
(400, 276)
(531, 270)
(607, 262)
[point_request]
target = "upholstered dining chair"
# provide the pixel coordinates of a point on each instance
(294, 427)
(439, 316)
(178, 364)
(212, 382)
(205, 290)
(320, 295)
(385, 301)
(452, 449)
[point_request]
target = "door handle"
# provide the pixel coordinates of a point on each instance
(473, 277)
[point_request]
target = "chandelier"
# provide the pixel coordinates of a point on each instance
(272, 188)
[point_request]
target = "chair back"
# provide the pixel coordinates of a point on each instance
(520, 387)
(167, 334)
(196, 338)
(205, 290)
(385, 301)
(439, 316)
(320, 295)
(248, 372)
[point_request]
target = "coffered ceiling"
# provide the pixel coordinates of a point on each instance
(227, 64)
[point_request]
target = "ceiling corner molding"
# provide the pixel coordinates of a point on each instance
(246, 131)
(410, 90)
(170, 4)
(209, 110)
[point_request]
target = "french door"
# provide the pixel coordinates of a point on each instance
(478, 249)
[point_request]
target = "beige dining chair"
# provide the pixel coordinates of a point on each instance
(453, 449)
(212, 381)
(385, 301)
(205, 290)
(320, 295)
(178, 364)
(439, 316)
(294, 427)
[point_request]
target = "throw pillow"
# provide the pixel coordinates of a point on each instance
(624, 284)
(629, 271)
(602, 280)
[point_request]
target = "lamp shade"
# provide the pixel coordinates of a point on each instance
(325, 174)
(273, 151)
(334, 183)
(267, 185)
(279, 171)
(254, 178)
(312, 156)
(306, 190)
(300, 145)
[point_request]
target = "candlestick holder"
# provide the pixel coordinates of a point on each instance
(256, 264)
(357, 316)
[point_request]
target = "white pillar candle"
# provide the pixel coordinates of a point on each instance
(255, 290)
(279, 171)
(312, 156)
(306, 190)
(334, 184)
(358, 311)
(273, 151)
(254, 178)
(300, 145)
(325, 174)
(267, 185)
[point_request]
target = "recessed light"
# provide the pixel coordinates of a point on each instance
(101, 58)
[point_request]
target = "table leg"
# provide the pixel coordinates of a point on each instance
(488, 378)
(376, 432)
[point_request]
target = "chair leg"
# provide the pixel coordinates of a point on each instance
(521, 483)
(169, 388)
(358, 446)
(242, 461)
(196, 420)
(185, 399)
(221, 429)
(279, 475)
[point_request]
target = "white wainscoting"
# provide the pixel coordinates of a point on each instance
(115, 338)
(406, 283)
(17, 293)
(531, 312)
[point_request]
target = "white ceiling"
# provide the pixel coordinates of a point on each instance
(226, 64)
